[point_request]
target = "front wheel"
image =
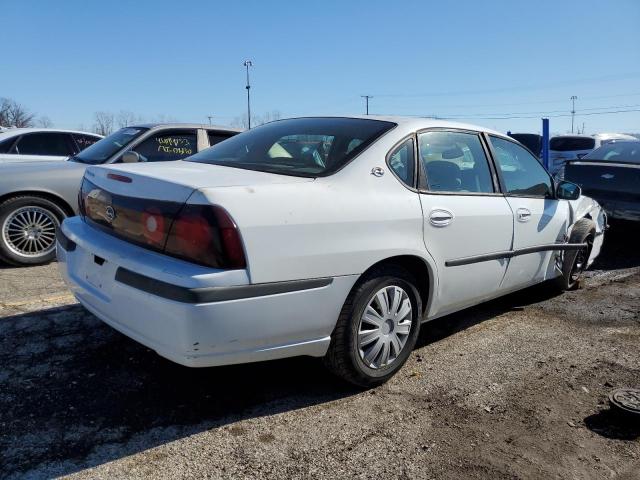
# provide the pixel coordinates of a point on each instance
(574, 262)
(28, 230)
(377, 328)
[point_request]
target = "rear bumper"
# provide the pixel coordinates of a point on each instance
(195, 316)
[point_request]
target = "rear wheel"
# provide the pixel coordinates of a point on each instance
(377, 328)
(28, 230)
(574, 262)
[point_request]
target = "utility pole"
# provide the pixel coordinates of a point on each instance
(209, 117)
(247, 64)
(366, 99)
(573, 110)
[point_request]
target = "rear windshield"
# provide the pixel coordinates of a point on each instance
(304, 147)
(627, 152)
(102, 150)
(569, 144)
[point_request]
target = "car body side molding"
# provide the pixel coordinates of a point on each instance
(513, 253)
(214, 294)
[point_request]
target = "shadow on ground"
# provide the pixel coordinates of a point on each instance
(614, 425)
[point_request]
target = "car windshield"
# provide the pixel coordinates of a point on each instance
(304, 147)
(570, 144)
(626, 152)
(102, 150)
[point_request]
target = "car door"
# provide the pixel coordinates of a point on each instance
(539, 218)
(43, 146)
(467, 221)
(168, 145)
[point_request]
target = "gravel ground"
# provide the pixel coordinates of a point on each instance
(515, 388)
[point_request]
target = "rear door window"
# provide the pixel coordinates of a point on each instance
(455, 162)
(217, 137)
(168, 145)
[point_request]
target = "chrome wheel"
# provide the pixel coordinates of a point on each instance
(580, 263)
(384, 327)
(30, 231)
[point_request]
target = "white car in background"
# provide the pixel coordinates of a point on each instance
(42, 144)
(329, 237)
(563, 148)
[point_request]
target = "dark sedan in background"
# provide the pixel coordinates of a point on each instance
(611, 175)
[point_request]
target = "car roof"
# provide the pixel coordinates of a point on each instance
(12, 132)
(186, 125)
(413, 123)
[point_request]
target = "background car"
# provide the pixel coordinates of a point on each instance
(329, 237)
(532, 141)
(611, 175)
(42, 144)
(569, 147)
(36, 196)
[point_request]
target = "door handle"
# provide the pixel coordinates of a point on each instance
(524, 215)
(440, 217)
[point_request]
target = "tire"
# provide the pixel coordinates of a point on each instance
(37, 216)
(362, 366)
(574, 262)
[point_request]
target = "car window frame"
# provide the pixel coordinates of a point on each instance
(423, 186)
(67, 137)
(414, 186)
(503, 186)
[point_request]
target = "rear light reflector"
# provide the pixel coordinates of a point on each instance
(206, 235)
(119, 178)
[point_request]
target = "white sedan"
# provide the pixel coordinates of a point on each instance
(329, 237)
(42, 144)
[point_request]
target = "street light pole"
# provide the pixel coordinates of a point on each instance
(573, 110)
(247, 64)
(366, 99)
(209, 117)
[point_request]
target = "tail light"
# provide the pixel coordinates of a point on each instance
(206, 235)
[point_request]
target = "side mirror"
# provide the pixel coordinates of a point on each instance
(567, 190)
(132, 157)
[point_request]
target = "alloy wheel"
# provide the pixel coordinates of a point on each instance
(384, 327)
(30, 231)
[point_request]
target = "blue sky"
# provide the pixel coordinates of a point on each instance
(477, 61)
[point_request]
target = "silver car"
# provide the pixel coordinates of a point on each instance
(36, 196)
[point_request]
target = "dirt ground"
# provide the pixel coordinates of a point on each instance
(515, 388)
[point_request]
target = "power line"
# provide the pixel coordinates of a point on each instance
(510, 117)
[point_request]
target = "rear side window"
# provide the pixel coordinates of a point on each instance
(455, 162)
(569, 144)
(521, 172)
(56, 144)
(168, 145)
(216, 137)
(84, 141)
(402, 162)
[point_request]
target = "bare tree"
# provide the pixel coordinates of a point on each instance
(12, 114)
(104, 122)
(271, 116)
(126, 118)
(242, 121)
(45, 122)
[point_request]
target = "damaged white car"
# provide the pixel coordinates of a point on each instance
(329, 237)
